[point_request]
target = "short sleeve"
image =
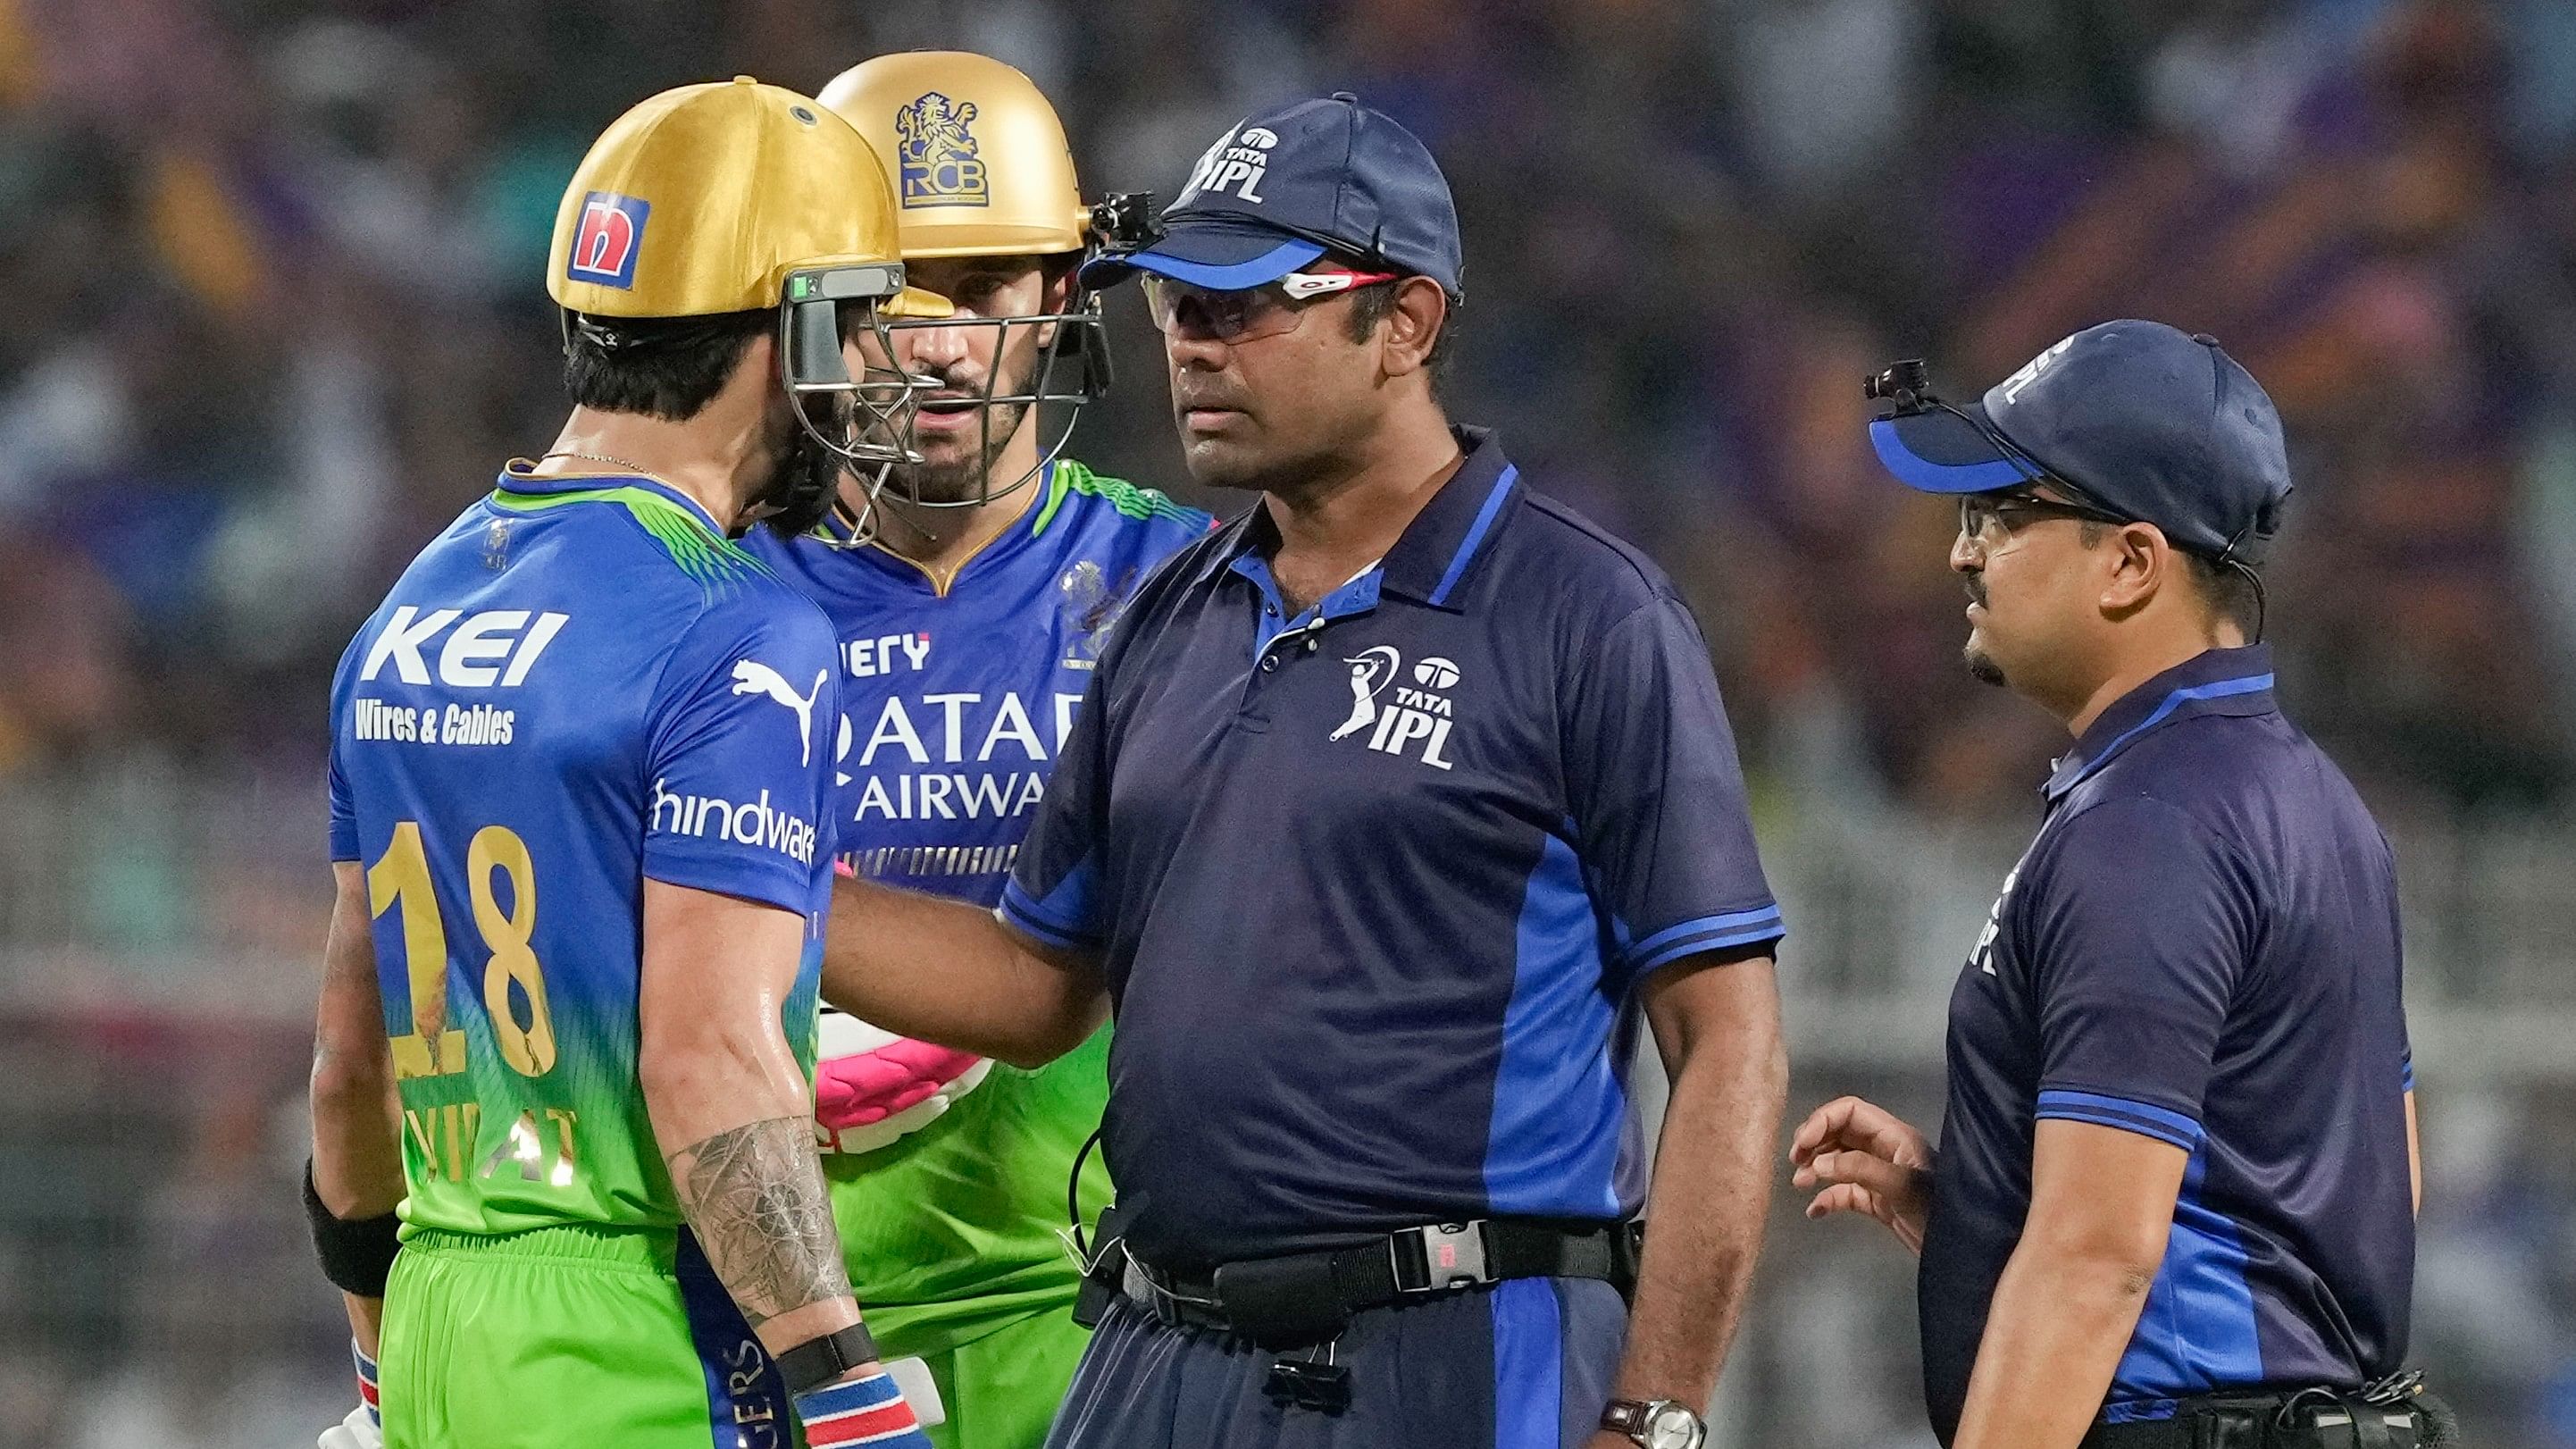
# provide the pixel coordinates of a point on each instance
(1657, 797)
(1053, 894)
(740, 753)
(344, 812)
(344, 807)
(2140, 923)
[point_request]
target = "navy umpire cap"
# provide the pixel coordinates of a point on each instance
(1280, 189)
(2146, 421)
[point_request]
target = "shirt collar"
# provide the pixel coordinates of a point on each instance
(1431, 560)
(2216, 681)
(516, 477)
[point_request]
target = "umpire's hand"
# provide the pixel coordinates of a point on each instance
(1865, 1161)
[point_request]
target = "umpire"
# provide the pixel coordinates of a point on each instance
(2173, 1206)
(1392, 808)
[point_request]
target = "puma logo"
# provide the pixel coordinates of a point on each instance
(750, 676)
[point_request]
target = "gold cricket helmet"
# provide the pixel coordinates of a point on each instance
(980, 163)
(981, 168)
(737, 197)
(703, 199)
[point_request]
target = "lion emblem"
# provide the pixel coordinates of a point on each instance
(937, 157)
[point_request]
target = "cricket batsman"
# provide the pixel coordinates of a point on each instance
(581, 829)
(970, 608)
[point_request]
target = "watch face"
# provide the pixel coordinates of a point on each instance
(1673, 1427)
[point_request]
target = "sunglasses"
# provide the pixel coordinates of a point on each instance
(1246, 314)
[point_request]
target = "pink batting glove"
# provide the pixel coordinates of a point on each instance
(874, 1086)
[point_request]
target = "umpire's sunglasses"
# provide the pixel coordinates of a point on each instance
(1245, 314)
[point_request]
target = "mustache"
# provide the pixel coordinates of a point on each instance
(1184, 399)
(1976, 588)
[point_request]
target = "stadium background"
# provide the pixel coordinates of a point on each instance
(270, 312)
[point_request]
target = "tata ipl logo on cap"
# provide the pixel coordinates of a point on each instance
(937, 155)
(1236, 163)
(611, 235)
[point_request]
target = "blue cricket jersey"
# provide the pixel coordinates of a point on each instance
(2201, 946)
(956, 700)
(579, 685)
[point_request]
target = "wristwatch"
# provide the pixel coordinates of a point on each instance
(1655, 1423)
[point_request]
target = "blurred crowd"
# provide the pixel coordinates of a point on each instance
(273, 276)
(272, 311)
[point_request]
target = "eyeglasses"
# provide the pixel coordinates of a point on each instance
(1246, 314)
(1991, 519)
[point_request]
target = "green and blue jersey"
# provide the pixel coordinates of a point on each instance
(581, 684)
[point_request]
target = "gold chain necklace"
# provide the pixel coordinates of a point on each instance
(639, 472)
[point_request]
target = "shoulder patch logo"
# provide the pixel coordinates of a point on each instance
(611, 237)
(750, 676)
(936, 154)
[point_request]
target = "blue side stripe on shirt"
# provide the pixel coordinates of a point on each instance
(2197, 1331)
(1552, 1143)
(2140, 1117)
(1475, 535)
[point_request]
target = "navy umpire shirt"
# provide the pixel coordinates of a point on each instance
(1374, 886)
(2200, 946)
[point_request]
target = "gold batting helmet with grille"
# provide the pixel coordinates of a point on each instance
(707, 198)
(981, 168)
(733, 197)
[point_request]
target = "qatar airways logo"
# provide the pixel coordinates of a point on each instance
(756, 823)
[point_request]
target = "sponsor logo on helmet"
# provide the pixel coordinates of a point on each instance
(937, 157)
(611, 235)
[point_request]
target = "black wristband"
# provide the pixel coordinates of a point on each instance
(356, 1256)
(817, 1361)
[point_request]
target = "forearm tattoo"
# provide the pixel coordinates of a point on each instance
(755, 1196)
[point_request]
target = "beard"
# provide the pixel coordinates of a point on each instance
(962, 479)
(1982, 666)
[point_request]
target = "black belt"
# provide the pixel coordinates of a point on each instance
(1308, 1298)
(2394, 1413)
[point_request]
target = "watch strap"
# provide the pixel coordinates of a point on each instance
(818, 1361)
(1626, 1416)
(1636, 1418)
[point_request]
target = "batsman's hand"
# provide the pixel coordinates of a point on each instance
(1862, 1158)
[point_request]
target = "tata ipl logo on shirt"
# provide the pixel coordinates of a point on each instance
(936, 155)
(1395, 709)
(610, 238)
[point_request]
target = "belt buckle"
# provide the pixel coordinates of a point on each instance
(1453, 1256)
